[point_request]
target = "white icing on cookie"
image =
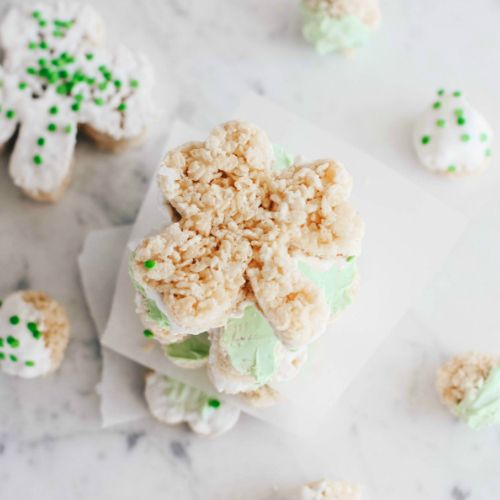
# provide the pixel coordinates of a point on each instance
(173, 402)
(57, 76)
(23, 351)
(452, 137)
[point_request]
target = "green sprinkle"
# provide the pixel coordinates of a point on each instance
(13, 342)
(99, 101)
(62, 89)
(33, 328)
(13, 358)
(63, 74)
(2, 355)
(42, 61)
(118, 83)
(436, 105)
(32, 45)
(134, 83)
(14, 320)
(483, 137)
(214, 403)
(440, 92)
(36, 14)
(350, 258)
(51, 127)
(440, 123)
(53, 110)
(31, 71)
(91, 81)
(68, 129)
(452, 168)
(457, 93)
(43, 44)
(22, 85)
(75, 106)
(1, 342)
(465, 137)
(37, 160)
(10, 113)
(42, 23)
(102, 68)
(89, 56)
(58, 34)
(79, 97)
(30, 363)
(103, 85)
(148, 334)
(458, 112)
(149, 264)
(488, 152)
(426, 139)
(122, 107)
(40, 141)
(461, 120)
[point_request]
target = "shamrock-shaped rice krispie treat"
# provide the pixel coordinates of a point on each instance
(58, 76)
(451, 137)
(262, 257)
(34, 333)
(339, 25)
(469, 385)
(325, 489)
(173, 402)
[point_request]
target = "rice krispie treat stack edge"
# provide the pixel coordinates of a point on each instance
(262, 258)
(339, 25)
(325, 489)
(34, 333)
(469, 385)
(57, 75)
(451, 137)
(173, 402)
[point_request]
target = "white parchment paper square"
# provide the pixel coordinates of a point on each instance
(409, 234)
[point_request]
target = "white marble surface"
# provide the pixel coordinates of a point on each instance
(389, 431)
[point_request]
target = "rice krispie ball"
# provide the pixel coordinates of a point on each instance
(57, 78)
(325, 489)
(173, 402)
(451, 137)
(262, 257)
(34, 334)
(339, 25)
(469, 385)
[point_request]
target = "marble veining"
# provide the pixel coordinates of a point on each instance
(389, 432)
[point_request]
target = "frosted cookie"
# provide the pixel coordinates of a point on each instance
(173, 402)
(57, 76)
(339, 25)
(326, 489)
(262, 258)
(34, 333)
(469, 385)
(452, 137)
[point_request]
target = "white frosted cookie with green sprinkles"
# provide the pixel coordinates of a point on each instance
(469, 385)
(452, 137)
(173, 402)
(326, 489)
(58, 77)
(263, 256)
(339, 25)
(34, 333)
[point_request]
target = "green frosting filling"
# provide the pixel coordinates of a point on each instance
(335, 283)
(152, 310)
(484, 408)
(329, 34)
(251, 345)
(194, 348)
(282, 159)
(188, 398)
